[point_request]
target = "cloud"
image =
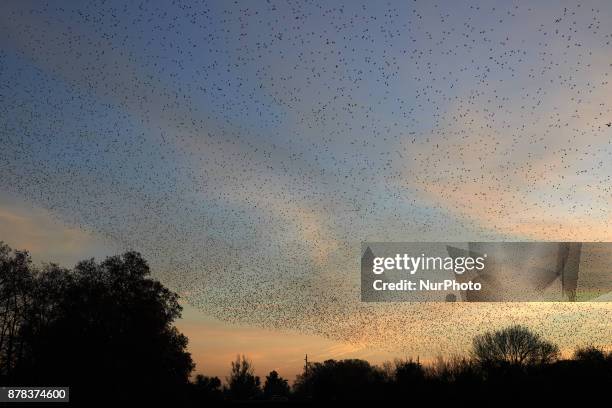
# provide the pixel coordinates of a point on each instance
(48, 240)
(537, 179)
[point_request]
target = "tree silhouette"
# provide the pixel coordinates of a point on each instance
(408, 375)
(207, 389)
(243, 384)
(408, 371)
(16, 288)
(590, 354)
(350, 379)
(275, 386)
(514, 345)
(108, 319)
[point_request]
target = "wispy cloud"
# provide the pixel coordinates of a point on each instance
(23, 226)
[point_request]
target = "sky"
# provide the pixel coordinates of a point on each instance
(246, 149)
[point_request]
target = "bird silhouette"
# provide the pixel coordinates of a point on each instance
(247, 149)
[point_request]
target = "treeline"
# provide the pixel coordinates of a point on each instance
(107, 331)
(512, 363)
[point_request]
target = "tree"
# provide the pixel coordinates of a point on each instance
(275, 386)
(515, 345)
(111, 320)
(408, 372)
(590, 354)
(207, 389)
(16, 288)
(243, 383)
(350, 379)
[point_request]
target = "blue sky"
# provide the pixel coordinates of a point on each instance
(248, 148)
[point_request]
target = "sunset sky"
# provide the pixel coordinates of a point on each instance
(246, 149)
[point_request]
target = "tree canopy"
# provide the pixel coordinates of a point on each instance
(104, 324)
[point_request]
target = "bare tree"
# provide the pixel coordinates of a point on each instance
(515, 345)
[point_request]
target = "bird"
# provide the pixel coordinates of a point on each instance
(246, 149)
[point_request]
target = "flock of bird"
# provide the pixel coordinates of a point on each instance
(247, 149)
